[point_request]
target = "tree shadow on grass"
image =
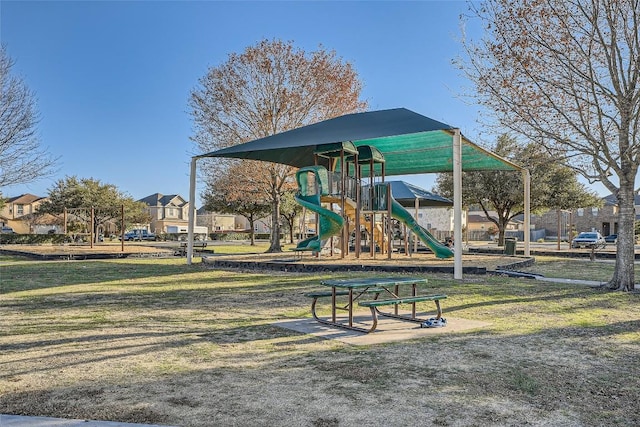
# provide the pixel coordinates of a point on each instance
(538, 378)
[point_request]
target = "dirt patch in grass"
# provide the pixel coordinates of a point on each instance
(157, 341)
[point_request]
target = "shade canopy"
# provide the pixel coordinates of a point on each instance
(407, 194)
(410, 143)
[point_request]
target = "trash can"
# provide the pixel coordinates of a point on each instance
(510, 245)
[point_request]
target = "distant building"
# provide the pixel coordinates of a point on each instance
(431, 211)
(479, 227)
(166, 210)
(19, 213)
(603, 219)
(218, 223)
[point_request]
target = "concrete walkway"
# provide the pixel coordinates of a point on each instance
(592, 283)
(22, 421)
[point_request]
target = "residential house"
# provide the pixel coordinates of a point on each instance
(166, 210)
(19, 213)
(603, 219)
(479, 227)
(218, 223)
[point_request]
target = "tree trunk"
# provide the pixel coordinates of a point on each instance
(502, 230)
(275, 245)
(252, 233)
(623, 276)
(291, 230)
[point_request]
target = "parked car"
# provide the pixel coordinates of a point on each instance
(139, 235)
(7, 230)
(589, 239)
(611, 238)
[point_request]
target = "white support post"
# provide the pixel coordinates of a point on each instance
(457, 204)
(415, 236)
(192, 210)
(526, 177)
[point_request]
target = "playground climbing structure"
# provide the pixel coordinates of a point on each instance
(344, 206)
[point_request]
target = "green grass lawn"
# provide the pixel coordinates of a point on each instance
(158, 341)
(573, 268)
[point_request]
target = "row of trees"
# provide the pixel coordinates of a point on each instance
(82, 195)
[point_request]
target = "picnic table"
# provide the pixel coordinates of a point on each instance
(182, 248)
(356, 290)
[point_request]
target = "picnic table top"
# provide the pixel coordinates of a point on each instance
(373, 281)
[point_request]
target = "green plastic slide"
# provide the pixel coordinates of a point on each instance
(330, 223)
(401, 214)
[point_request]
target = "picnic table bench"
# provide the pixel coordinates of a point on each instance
(355, 289)
(182, 249)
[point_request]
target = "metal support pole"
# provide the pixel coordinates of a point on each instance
(345, 229)
(415, 236)
(192, 210)
(91, 234)
(457, 203)
(389, 222)
(358, 242)
(122, 228)
(527, 212)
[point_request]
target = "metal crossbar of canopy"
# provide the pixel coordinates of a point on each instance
(410, 143)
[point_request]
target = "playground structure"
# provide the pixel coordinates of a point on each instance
(411, 144)
(362, 207)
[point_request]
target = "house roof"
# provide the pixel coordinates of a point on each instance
(410, 143)
(474, 218)
(24, 199)
(406, 194)
(158, 199)
(612, 200)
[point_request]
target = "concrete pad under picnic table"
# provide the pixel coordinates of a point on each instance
(388, 330)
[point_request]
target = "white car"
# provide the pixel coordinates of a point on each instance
(589, 239)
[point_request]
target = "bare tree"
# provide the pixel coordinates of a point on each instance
(566, 74)
(269, 88)
(234, 192)
(22, 159)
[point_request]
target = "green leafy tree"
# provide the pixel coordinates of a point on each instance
(269, 88)
(565, 73)
(554, 186)
(83, 194)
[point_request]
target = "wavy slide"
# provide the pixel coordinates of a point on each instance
(402, 215)
(331, 223)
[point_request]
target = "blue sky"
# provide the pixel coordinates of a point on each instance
(113, 78)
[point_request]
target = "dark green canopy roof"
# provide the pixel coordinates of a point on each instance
(406, 194)
(410, 143)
